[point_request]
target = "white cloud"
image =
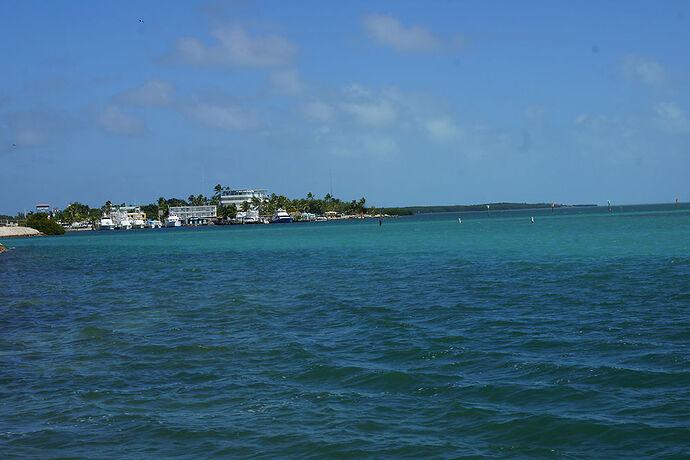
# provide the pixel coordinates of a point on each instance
(373, 114)
(645, 70)
(387, 30)
(582, 118)
(368, 108)
(535, 113)
(379, 146)
(286, 82)
(235, 48)
(224, 118)
(36, 128)
(442, 129)
(317, 111)
(153, 93)
(672, 118)
(356, 90)
(114, 120)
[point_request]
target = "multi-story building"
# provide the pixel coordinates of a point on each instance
(194, 214)
(237, 197)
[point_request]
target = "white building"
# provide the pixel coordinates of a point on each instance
(194, 214)
(237, 197)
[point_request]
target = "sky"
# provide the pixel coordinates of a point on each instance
(400, 102)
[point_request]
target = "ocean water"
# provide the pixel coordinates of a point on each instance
(423, 337)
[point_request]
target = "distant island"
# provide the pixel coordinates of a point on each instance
(409, 210)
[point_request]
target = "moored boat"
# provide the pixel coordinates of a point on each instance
(173, 221)
(281, 217)
(106, 223)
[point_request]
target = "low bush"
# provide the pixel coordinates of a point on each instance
(40, 222)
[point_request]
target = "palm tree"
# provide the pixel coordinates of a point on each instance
(256, 203)
(161, 207)
(245, 206)
(218, 191)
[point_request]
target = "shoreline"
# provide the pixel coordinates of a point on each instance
(18, 232)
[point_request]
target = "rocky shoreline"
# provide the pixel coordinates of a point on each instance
(16, 232)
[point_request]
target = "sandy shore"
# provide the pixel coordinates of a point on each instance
(11, 232)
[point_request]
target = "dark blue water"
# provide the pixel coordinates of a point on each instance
(566, 338)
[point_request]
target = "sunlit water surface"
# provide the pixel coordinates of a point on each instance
(423, 337)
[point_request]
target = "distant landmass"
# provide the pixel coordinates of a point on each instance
(409, 210)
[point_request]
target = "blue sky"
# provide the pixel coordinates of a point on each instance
(402, 102)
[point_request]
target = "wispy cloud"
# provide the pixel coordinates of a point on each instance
(442, 129)
(317, 111)
(672, 118)
(644, 70)
(153, 93)
(387, 30)
(371, 113)
(222, 117)
(367, 108)
(286, 82)
(36, 128)
(235, 48)
(114, 120)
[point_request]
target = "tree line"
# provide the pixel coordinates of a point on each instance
(78, 212)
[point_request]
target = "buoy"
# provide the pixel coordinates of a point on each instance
(459, 220)
(531, 219)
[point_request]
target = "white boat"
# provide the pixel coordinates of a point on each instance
(126, 223)
(138, 223)
(173, 221)
(107, 224)
(281, 217)
(248, 217)
(154, 223)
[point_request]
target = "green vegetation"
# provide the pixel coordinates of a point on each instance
(43, 224)
(397, 211)
(227, 211)
(311, 205)
(476, 207)
(77, 212)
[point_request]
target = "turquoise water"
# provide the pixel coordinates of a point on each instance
(566, 338)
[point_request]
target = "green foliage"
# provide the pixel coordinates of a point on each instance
(94, 216)
(75, 212)
(40, 222)
(151, 211)
(397, 211)
(227, 211)
(476, 207)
